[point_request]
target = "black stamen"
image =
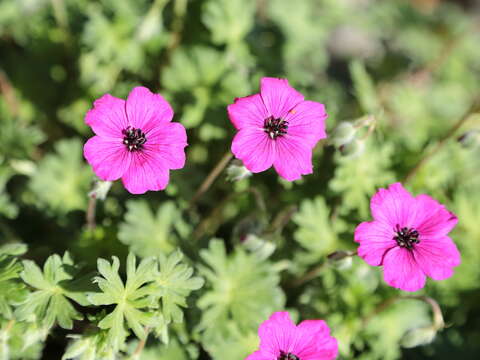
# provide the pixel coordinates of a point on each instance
(406, 237)
(133, 138)
(287, 356)
(275, 127)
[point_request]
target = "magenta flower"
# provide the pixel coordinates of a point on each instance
(281, 339)
(408, 237)
(277, 127)
(135, 140)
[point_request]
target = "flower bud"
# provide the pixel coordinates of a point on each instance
(100, 189)
(470, 138)
(352, 149)
(343, 133)
(237, 171)
(418, 336)
(341, 259)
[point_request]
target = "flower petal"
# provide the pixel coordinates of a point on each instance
(169, 142)
(108, 117)
(401, 271)
(148, 171)
(277, 334)
(254, 148)
(248, 111)
(278, 96)
(393, 206)
(146, 110)
(108, 157)
(375, 239)
(316, 342)
(294, 158)
(306, 122)
(433, 218)
(437, 257)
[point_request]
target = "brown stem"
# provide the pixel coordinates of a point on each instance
(450, 133)
(90, 216)
(141, 344)
(210, 179)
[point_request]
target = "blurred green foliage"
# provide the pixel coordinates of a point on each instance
(411, 68)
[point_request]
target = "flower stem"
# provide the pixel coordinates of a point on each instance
(141, 344)
(90, 216)
(474, 108)
(210, 179)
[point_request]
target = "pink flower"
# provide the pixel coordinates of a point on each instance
(135, 140)
(281, 339)
(277, 127)
(408, 237)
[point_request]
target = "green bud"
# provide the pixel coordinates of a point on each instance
(237, 171)
(341, 259)
(343, 133)
(352, 149)
(418, 336)
(100, 189)
(470, 138)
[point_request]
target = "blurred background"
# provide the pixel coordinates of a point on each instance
(404, 74)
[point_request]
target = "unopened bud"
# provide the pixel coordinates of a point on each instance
(237, 171)
(100, 189)
(470, 138)
(341, 259)
(418, 336)
(343, 133)
(352, 149)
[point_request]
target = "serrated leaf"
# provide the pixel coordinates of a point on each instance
(48, 303)
(62, 180)
(241, 288)
(146, 233)
(133, 300)
(175, 282)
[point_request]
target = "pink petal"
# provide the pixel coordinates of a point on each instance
(146, 110)
(147, 171)
(294, 158)
(375, 239)
(437, 257)
(248, 111)
(258, 355)
(278, 96)
(393, 206)
(108, 157)
(433, 218)
(277, 334)
(168, 141)
(108, 117)
(254, 148)
(315, 341)
(401, 271)
(306, 122)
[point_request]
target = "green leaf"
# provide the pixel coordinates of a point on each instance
(133, 300)
(175, 282)
(240, 287)
(49, 303)
(228, 20)
(364, 88)
(61, 181)
(317, 232)
(12, 290)
(149, 234)
(357, 179)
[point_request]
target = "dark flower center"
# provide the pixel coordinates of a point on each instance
(406, 237)
(287, 356)
(275, 127)
(133, 138)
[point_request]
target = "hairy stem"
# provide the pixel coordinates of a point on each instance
(141, 344)
(90, 216)
(210, 179)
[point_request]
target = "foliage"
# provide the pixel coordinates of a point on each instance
(396, 77)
